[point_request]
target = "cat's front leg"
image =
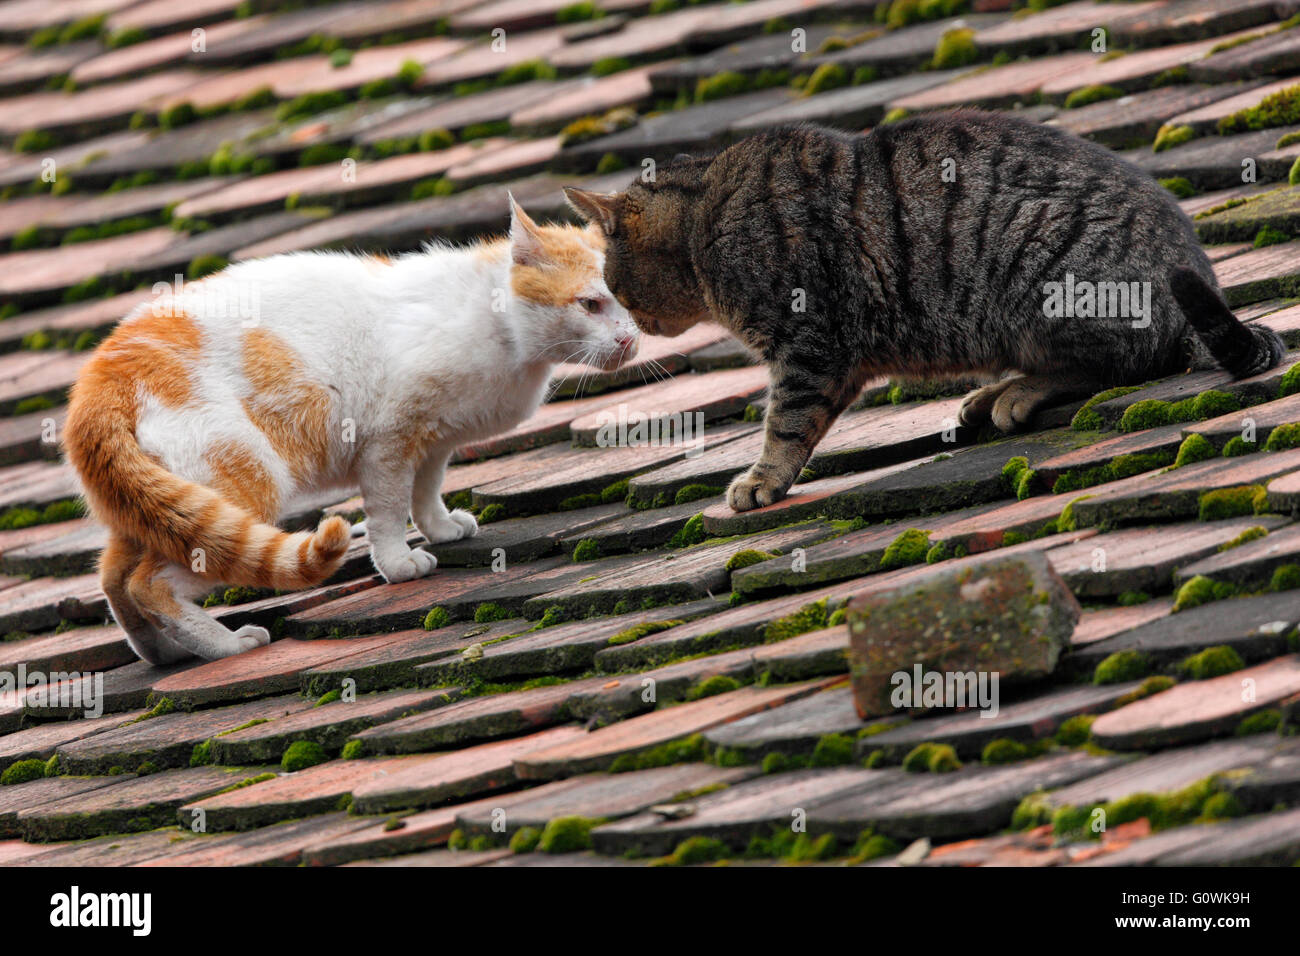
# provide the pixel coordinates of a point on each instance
(386, 484)
(801, 407)
(431, 516)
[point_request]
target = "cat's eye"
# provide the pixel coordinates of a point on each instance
(591, 305)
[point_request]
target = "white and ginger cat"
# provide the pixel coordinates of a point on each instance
(193, 425)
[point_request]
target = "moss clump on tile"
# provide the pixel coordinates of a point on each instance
(828, 76)
(1148, 413)
(1155, 684)
(712, 686)
(938, 552)
(205, 265)
(436, 618)
(775, 762)
(1268, 236)
(490, 513)
(1238, 446)
(1120, 667)
(586, 550)
(1167, 137)
(838, 617)
(1212, 662)
(721, 85)
(686, 750)
(1180, 186)
(896, 115)
(1277, 109)
(488, 612)
(1286, 577)
(1067, 522)
(329, 697)
(1250, 534)
(747, 558)
(552, 616)
(639, 631)
(1201, 590)
(1232, 502)
(1075, 731)
(1012, 470)
(1290, 382)
(690, 533)
(525, 840)
(910, 547)
(1086, 419)
(1087, 95)
(23, 771)
(1263, 722)
(955, 48)
(1132, 598)
(810, 617)
(931, 757)
(353, 750)
(833, 750)
(1003, 750)
(1283, 437)
(201, 755)
(693, 850)
(567, 835)
(696, 492)
(1195, 447)
(302, 754)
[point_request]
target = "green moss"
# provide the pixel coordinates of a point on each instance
(490, 513)
(567, 835)
(775, 762)
(1003, 750)
(353, 750)
(639, 631)
(1212, 662)
(52, 768)
(908, 548)
(309, 104)
(577, 12)
(1263, 722)
(1155, 684)
(747, 558)
(1092, 94)
(608, 65)
(432, 188)
(1132, 598)
(828, 76)
(1033, 811)
(1277, 109)
(712, 686)
(488, 612)
(525, 840)
(302, 754)
(1284, 437)
(955, 48)
(436, 618)
(1167, 137)
(201, 755)
(810, 617)
(1086, 419)
(1120, 667)
(1148, 413)
(1195, 447)
(1180, 186)
(329, 697)
(552, 616)
(696, 492)
(720, 85)
(931, 757)
(690, 533)
(1075, 731)
(1293, 177)
(1025, 483)
(833, 750)
(686, 750)
(693, 850)
(1230, 502)
(1250, 534)
(1012, 470)
(1238, 446)
(1066, 522)
(1201, 590)
(872, 846)
(586, 550)
(1268, 236)
(938, 552)
(205, 265)
(22, 772)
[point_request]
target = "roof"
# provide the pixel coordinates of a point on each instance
(649, 677)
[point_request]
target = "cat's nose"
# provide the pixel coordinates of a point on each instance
(626, 340)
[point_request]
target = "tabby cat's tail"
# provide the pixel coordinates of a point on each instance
(186, 523)
(1241, 349)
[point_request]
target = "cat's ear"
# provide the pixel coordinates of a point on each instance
(602, 208)
(526, 247)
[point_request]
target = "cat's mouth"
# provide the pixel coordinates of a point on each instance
(622, 353)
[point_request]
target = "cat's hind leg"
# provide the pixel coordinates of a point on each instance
(165, 594)
(120, 559)
(429, 511)
(1021, 398)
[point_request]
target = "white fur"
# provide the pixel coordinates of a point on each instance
(416, 336)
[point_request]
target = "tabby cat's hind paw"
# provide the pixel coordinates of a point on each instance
(754, 489)
(250, 636)
(977, 406)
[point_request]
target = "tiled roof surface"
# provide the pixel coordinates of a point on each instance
(618, 669)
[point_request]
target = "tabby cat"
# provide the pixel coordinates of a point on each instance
(206, 412)
(938, 246)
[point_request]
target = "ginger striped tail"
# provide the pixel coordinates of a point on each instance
(184, 522)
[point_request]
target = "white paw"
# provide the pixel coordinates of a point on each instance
(406, 567)
(452, 527)
(250, 636)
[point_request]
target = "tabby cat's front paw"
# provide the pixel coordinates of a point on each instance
(754, 489)
(413, 564)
